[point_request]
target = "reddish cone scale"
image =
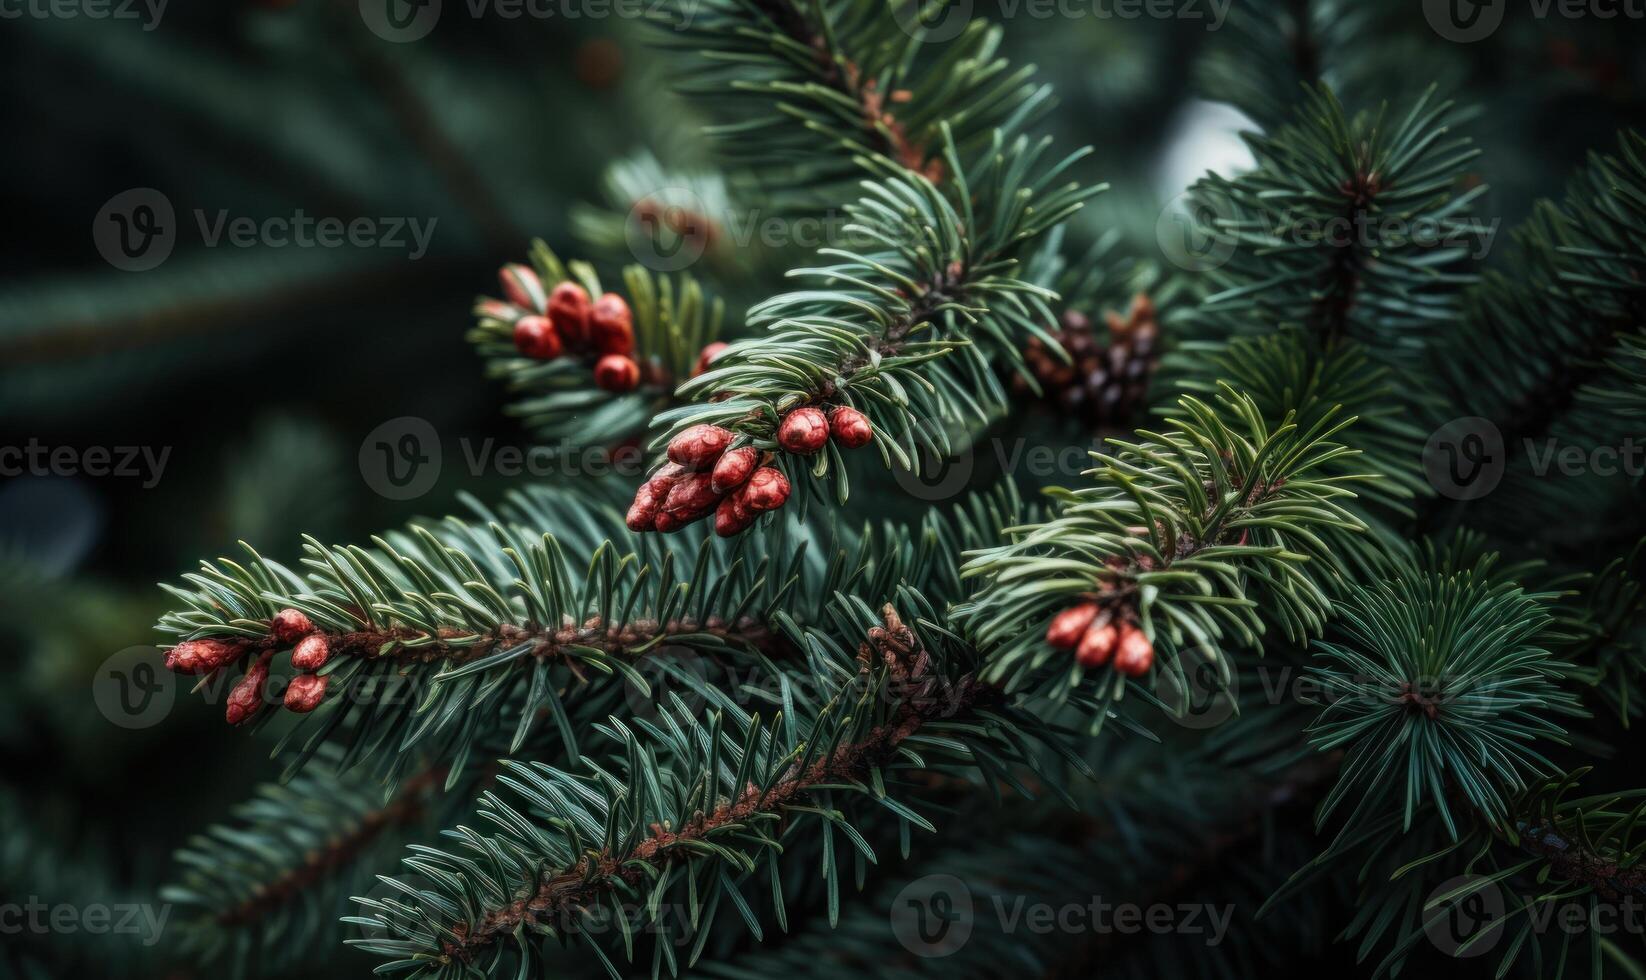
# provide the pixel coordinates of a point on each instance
(733, 516)
(305, 693)
(733, 468)
(691, 497)
(521, 287)
(849, 427)
(611, 327)
(616, 373)
(767, 489)
(699, 447)
(535, 336)
(290, 625)
(1069, 625)
(569, 312)
(803, 431)
(247, 695)
(707, 356)
(643, 512)
(1096, 645)
(1134, 654)
(202, 656)
(312, 653)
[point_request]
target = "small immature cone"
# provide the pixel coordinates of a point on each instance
(522, 287)
(849, 427)
(733, 516)
(569, 312)
(1134, 654)
(767, 489)
(535, 336)
(305, 692)
(247, 696)
(642, 514)
(691, 497)
(202, 656)
(290, 625)
(699, 447)
(803, 431)
(616, 373)
(1070, 625)
(733, 468)
(312, 653)
(1097, 645)
(707, 356)
(611, 327)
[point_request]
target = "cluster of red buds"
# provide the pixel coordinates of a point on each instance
(566, 321)
(805, 430)
(1100, 636)
(702, 477)
(310, 652)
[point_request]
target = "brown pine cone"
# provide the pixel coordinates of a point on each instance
(1107, 384)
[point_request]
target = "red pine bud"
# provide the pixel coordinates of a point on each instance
(615, 372)
(569, 312)
(692, 496)
(611, 327)
(849, 427)
(521, 286)
(732, 469)
(643, 512)
(1134, 654)
(202, 656)
(1097, 645)
(1069, 625)
(664, 478)
(312, 653)
(707, 356)
(247, 696)
(767, 489)
(290, 625)
(699, 446)
(732, 516)
(305, 692)
(803, 431)
(535, 336)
